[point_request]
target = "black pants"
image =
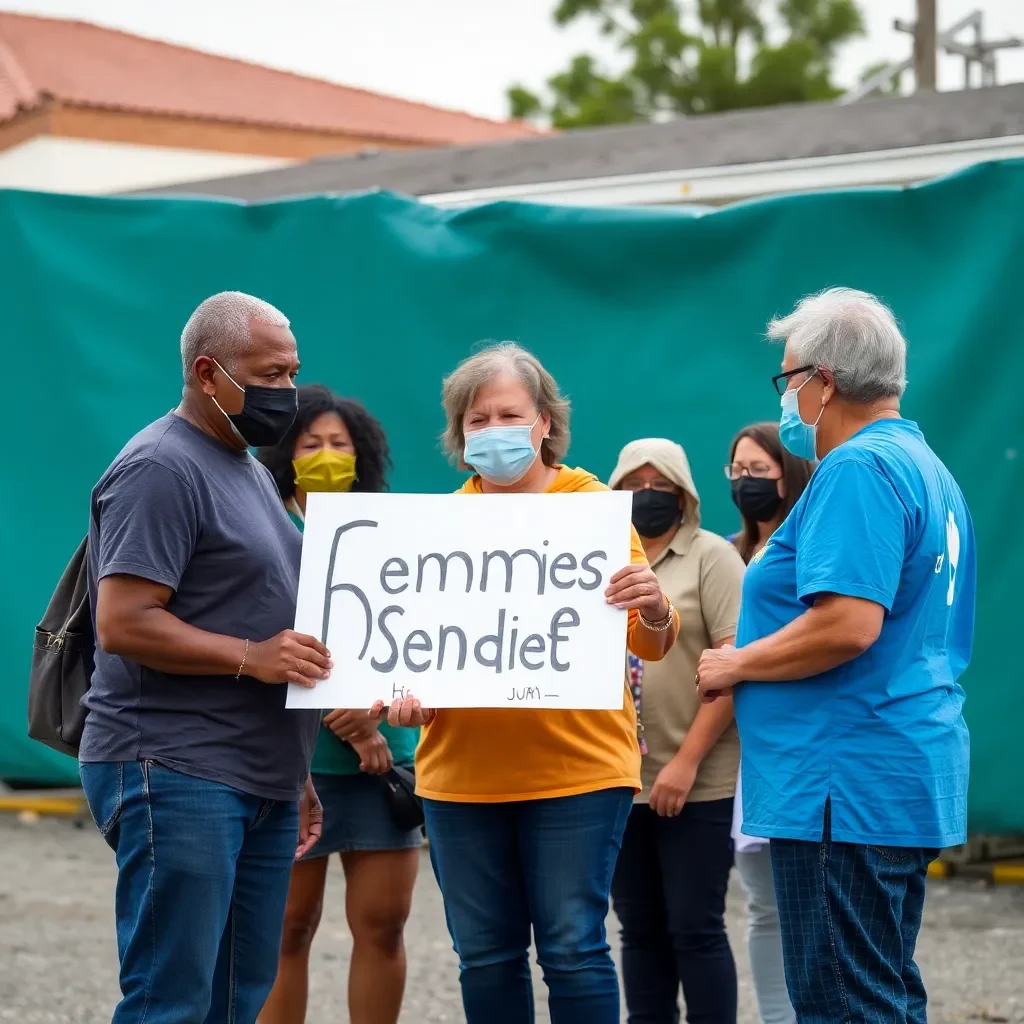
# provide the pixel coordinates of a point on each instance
(669, 895)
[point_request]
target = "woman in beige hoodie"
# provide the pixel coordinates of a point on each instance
(670, 883)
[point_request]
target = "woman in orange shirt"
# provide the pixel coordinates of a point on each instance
(525, 809)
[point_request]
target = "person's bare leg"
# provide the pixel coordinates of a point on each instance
(286, 1003)
(378, 895)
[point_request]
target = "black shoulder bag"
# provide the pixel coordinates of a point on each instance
(62, 662)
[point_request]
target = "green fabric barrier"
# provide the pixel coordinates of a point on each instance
(651, 320)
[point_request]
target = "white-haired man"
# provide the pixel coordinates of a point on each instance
(194, 771)
(856, 623)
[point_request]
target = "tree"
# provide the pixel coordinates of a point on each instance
(728, 61)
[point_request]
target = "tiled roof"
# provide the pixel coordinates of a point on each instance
(80, 64)
(710, 140)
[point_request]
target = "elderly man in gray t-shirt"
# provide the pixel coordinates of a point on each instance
(194, 771)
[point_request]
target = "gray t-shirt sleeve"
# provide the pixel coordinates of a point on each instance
(148, 524)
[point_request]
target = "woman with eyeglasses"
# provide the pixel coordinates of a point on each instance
(670, 882)
(766, 483)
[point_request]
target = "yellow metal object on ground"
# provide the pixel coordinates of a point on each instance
(1010, 873)
(59, 806)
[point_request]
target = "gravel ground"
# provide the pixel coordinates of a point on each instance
(58, 961)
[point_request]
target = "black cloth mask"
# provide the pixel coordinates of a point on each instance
(757, 497)
(655, 512)
(267, 413)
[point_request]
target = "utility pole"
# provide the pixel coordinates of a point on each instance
(980, 51)
(925, 45)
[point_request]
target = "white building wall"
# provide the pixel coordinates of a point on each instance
(88, 167)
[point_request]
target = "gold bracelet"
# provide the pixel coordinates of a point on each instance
(662, 624)
(245, 657)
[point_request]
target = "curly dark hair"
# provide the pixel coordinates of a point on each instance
(373, 457)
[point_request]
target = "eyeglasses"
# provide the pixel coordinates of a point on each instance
(781, 380)
(758, 470)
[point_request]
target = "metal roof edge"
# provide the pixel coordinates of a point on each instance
(702, 184)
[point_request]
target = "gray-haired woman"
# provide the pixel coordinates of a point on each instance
(856, 623)
(525, 809)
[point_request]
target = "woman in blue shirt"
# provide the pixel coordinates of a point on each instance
(856, 624)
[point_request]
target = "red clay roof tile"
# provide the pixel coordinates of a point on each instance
(81, 64)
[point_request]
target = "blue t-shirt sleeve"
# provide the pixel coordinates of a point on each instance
(851, 535)
(148, 524)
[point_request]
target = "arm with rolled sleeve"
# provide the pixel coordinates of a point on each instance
(850, 544)
(720, 581)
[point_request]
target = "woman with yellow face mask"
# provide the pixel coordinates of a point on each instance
(336, 445)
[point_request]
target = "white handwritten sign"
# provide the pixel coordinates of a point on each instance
(467, 601)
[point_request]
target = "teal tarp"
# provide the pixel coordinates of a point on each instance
(650, 320)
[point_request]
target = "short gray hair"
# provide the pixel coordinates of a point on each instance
(460, 387)
(852, 334)
(219, 328)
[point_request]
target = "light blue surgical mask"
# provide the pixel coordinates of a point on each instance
(797, 437)
(502, 455)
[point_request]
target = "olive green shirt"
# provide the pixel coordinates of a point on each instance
(702, 574)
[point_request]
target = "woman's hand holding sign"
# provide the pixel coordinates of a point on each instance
(636, 586)
(406, 711)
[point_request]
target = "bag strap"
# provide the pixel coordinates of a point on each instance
(79, 604)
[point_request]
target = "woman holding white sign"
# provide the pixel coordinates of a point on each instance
(335, 445)
(525, 809)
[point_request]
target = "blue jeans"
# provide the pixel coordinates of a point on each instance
(503, 868)
(202, 882)
(669, 895)
(850, 916)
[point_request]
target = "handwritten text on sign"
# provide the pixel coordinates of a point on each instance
(466, 600)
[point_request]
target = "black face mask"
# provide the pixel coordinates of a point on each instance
(654, 512)
(267, 413)
(756, 497)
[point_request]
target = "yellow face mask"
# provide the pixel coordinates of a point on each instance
(325, 470)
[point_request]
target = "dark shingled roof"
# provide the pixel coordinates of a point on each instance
(713, 140)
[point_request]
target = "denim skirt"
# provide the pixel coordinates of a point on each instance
(357, 816)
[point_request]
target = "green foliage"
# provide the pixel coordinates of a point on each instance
(729, 59)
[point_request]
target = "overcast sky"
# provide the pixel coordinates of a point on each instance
(457, 53)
